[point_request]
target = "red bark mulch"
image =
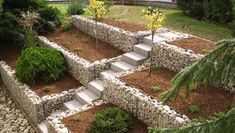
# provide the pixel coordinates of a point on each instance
(75, 39)
(199, 46)
(86, 117)
(209, 100)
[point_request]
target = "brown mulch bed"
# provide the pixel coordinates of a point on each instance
(125, 25)
(199, 46)
(66, 82)
(10, 54)
(209, 100)
(75, 39)
(85, 124)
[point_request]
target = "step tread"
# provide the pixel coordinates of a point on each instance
(72, 104)
(87, 95)
(98, 84)
(43, 127)
(135, 56)
(123, 65)
(170, 35)
(108, 73)
(156, 38)
(144, 47)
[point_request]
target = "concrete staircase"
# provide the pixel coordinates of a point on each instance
(95, 88)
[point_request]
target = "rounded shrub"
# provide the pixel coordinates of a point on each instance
(111, 120)
(76, 9)
(40, 64)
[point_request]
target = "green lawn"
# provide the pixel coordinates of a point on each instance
(61, 6)
(174, 20)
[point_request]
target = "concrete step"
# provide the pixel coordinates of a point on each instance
(43, 127)
(142, 49)
(108, 73)
(86, 96)
(58, 112)
(170, 35)
(96, 86)
(121, 66)
(133, 58)
(148, 39)
(71, 105)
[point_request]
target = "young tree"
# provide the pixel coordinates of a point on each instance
(155, 18)
(27, 21)
(97, 10)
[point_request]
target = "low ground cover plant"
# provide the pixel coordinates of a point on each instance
(111, 120)
(40, 64)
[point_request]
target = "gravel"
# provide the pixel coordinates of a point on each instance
(12, 120)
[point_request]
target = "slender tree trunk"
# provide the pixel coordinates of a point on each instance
(233, 104)
(96, 39)
(151, 54)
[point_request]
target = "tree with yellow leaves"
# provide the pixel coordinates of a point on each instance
(97, 10)
(155, 18)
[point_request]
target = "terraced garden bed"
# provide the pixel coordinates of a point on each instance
(83, 45)
(132, 27)
(10, 54)
(86, 117)
(209, 100)
(197, 45)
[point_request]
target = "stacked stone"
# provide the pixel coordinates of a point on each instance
(12, 120)
(55, 121)
(29, 101)
(55, 102)
(141, 105)
(118, 38)
(173, 57)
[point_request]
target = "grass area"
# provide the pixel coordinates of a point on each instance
(175, 20)
(61, 6)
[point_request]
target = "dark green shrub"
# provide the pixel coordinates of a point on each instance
(40, 64)
(50, 14)
(232, 27)
(11, 32)
(66, 26)
(215, 10)
(111, 120)
(44, 26)
(193, 8)
(218, 10)
(76, 8)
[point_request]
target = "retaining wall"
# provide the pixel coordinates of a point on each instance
(141, 105)
(37, 108)
(81, 69)
(118, 38)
